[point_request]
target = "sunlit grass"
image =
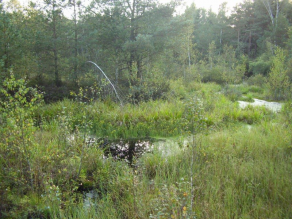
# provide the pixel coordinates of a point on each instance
(239, 173)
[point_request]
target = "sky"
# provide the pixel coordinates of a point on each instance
(214, 4)
(207, 4)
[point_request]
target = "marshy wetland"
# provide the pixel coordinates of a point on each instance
(135, 109)
(201, 156)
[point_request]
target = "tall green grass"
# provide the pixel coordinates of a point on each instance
(154, 118)
(239, 171)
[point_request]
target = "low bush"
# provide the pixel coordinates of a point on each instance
(213, 75)
(260, 66)
(233, 93)
(248, 98)
(287, 113)
(257, 80)
(278, 81)
(152, 87)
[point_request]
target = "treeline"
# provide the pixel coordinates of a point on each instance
(140, 44)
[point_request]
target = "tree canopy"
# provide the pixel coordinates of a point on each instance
(135, 41)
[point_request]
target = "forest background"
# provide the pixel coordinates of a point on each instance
(139, 44)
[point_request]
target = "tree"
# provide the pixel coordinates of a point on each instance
(204, 29)
(244, 23)
(211, 54)
(54, 22)
(17, 105)
(278, 81)
(129, 33)
(76, 6)
(279, 23)
(273, 10)
(104, 31)
(222, 27)
(10, 35)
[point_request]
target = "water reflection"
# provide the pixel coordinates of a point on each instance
(127, 149)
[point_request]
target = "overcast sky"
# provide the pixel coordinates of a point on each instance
(207, 4)
(214, 4)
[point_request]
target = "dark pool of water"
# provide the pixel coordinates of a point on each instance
(127, 149)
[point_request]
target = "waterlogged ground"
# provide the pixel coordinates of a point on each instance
(168, 147)
(273, 106)
(130, 150)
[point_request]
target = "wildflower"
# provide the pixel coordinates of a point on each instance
(184, 211)
(185, 194)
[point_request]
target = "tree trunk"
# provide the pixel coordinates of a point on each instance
(249, 43)
(75, 44)
(55, 37)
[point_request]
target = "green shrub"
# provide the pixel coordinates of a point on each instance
(256, 89)
(260, 66)
(250, 115)
(149, 89)
(257, 80)
(287, 113)
(289, 69)
(247, 98)
(178, 89)
(233, 93)
(278, 81)
(213, 75)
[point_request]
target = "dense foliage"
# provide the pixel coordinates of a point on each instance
(139, 44)
(173, 78)
(48, 160)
